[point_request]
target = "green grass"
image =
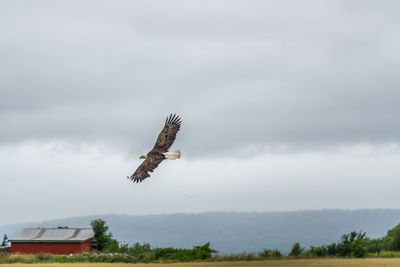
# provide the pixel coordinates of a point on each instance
(378, 262)
(150, 257)
(76, 258)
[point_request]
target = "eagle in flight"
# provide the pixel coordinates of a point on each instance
(160, 150)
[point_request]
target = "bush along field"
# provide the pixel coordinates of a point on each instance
(356, 245)
(132, 254)
(109, 250)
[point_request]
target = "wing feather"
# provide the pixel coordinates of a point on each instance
(168, 134)
(148, 165)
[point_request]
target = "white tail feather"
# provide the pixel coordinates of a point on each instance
(173, 154)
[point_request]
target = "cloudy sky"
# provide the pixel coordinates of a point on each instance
(286, 105)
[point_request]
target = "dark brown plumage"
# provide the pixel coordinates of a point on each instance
(164, 141)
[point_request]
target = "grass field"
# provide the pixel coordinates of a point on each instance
(268, 263)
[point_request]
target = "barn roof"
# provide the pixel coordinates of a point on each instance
(38, 235)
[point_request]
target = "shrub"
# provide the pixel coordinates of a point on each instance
(44, 257)
(268, 253)
(297, 250)
(390, 254)
(320, 251)
(137, 249)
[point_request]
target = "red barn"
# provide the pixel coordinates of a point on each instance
(53, 240)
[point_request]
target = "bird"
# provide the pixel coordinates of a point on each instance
(160, 150)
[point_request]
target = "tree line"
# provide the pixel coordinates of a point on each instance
(105, 243)
(354, 244)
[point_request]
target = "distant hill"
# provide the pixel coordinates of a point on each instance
(231, 232)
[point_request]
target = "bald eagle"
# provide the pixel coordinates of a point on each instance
(160, 150)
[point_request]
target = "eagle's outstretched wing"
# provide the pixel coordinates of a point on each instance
(148, 165)
(164, 141)
(168, 134)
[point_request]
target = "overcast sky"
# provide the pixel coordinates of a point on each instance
(286, 105)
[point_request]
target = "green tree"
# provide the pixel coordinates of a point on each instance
(137, 249)
(392, 238)
(343, 246)
(320, 251)
(352, 244)
(5, 240)
(359, 246)
(181, 254)
(112, 245)
(297, 250)
(276, 253)
(332, 249)
(204, 251)
(375, 245)
(268, 253)
(104, 240)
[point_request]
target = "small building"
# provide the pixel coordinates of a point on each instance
(53, 240)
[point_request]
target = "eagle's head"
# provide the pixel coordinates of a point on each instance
(143, 157)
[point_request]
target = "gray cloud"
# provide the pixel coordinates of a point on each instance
(240, 73)
(56, 180)
(285, 105)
